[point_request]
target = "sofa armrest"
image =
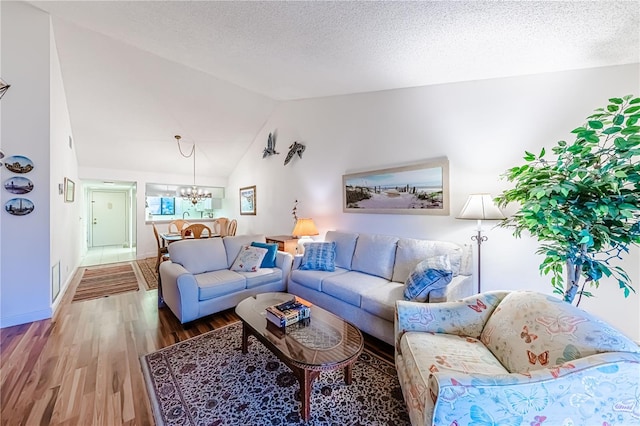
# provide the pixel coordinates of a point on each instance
(465, 317)
(297, 260)
(284, 261)
(179, 290)
(570, 390)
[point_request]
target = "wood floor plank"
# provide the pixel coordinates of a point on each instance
(82, 367)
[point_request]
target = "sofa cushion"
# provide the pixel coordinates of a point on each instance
(219, 283)
(262, 276)
(350, 286)
(345, 245)
(375, 255)
(381, 300)
(199, 255)
(319, 257)
(410, 252)
(530, 331)
(430, 274)
(249, 259)
(433, 352)
(269, 260)
(313, 279)
(232, 245)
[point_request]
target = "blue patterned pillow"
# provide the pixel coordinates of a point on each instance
(319, 256)
(428, 275)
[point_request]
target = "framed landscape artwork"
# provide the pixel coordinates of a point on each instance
(421, 188)
(248, 200)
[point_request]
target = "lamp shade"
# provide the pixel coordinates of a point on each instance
(480, 207)
(304, 227)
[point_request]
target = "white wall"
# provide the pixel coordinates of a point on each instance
(483, 127)
(66, 237)
(25, 273)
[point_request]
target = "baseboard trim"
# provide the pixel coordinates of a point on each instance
(25, 318)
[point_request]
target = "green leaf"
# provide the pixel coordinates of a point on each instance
(542, 152)
(635, 101)
(632, 120)
(620, 174)
(612, 130)
(529, 156)
(632, 109)
(617, 101)
(618, 119)
(578, 130)
(630, 130)
(594, 124)
(612, 108)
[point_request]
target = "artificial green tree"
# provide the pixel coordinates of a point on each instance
(583, 205)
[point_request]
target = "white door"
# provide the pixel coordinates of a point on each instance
(108, 218)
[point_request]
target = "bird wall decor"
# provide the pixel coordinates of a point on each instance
(294, 148)
(271, 147)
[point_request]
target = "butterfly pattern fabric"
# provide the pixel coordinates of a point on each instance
(536, 361)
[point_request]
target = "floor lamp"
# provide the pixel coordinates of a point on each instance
(480, 207)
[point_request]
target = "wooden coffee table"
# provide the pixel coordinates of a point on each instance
(322, 343)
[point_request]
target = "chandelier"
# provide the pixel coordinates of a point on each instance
(193, 194)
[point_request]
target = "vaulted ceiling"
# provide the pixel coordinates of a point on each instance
(138, 72)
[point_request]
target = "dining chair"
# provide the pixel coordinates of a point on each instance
(231, 228)
(196, 230)
(162, 251)
(178, 224)
(221, 226)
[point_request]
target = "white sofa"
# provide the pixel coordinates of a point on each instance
(197, 280)
(370, 274)
(514, 358)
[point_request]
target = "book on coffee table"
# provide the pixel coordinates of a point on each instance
(289, 312)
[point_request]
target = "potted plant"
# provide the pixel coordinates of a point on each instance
(583, 205)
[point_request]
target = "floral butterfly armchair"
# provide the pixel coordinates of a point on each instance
(512, 358)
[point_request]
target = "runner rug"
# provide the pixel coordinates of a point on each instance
(207, 380)
(148, 268)
(107, 281)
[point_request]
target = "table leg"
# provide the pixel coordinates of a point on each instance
(305, 394)
(245, 337)
(348, 374)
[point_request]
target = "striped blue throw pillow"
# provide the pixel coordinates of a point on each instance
(319, 257)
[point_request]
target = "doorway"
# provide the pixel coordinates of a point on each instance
(110, 212)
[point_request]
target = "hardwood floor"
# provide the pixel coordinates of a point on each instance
(82, 366)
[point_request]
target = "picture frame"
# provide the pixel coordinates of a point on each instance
(248, 200)
(69, 190)
(420, 188)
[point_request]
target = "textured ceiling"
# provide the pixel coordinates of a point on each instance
(138, 72)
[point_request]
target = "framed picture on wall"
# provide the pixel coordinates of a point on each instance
(69, 190)
(421, 188)
(248, 200)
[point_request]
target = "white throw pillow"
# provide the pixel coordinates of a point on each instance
(249, 259)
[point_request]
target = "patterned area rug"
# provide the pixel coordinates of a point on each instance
(148, 268)
(102, 282)
(207, 380)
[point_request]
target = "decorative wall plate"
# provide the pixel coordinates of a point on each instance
(18, 164)
(19, 206)
(18, 185)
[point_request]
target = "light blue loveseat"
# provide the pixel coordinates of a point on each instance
(197, 280)
(514, 358)
(370, 274)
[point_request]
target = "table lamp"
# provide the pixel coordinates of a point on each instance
(480, 207)
(304, 229)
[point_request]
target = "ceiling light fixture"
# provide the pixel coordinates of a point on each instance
(193, 194)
